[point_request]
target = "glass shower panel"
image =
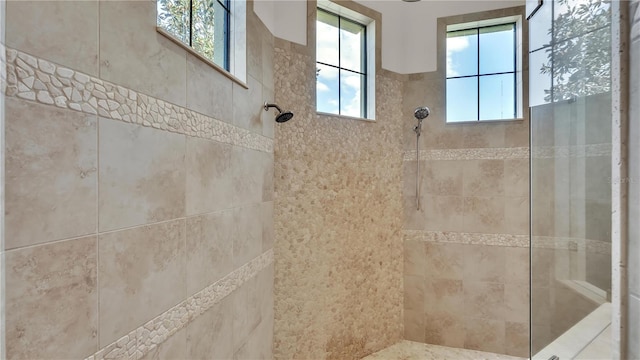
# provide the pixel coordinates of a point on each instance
(570, 99)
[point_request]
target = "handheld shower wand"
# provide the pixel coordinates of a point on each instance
(420, 114)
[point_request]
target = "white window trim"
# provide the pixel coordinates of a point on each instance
(370, 25)
(517, 19)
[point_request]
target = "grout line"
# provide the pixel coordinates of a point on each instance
(154, 332)
(184, 218)
(98, 122)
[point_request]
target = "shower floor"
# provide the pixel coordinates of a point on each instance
(409, 350)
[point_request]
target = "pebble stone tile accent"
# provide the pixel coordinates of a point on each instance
(469, 154)
(574, 244)
(146, 338)
(542, 242)
(467, 238)
(329, 170)
(39, 80)
(544, 152)
(573, 151)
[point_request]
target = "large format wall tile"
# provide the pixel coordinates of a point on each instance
(71, 35)
(444, 178)
(142, 270)
(484, 263)
(209, 248)
(485, 335)
(268, 230)
(247, 312)
(210, 336)
(134, 55)
(483, 135)
(444, 295)
(516, 215)
(414, 258)
(445, 261)
(208, 91)
(258, 344)
(142, 175)
(247, 234)
(248, 105)
(483, 300)
(221, 176)
(516, 177)
(483, 177)
(516, 302)
(51, 163)
(444, 328)
(442, 213)
(484, 215)
(255, 29)
(210, 176)
(52, 300)
(517, 338)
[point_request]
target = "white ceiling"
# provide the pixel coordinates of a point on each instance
(408, 32)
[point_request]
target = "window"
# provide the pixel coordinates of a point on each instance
(202, 25)
(482, 72)
(343, 63)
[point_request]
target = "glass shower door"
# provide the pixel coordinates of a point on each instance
(570, 99)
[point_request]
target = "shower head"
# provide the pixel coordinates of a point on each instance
(421, 113)
(282, 116)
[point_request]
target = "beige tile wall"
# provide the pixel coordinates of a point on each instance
(338, 216)
(145, 232)
(466, 271)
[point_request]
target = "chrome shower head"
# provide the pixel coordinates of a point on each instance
(421, 113)
(282, 116)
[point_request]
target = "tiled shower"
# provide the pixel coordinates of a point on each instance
(154, 210)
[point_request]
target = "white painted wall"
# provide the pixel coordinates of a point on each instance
(286, 19)
(265, 9)
(409, 31)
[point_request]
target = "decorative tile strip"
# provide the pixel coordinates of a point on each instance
(469, 154)
(572, 244)
(146, 338)
(467, 238)
(33, 79)
(573, 151)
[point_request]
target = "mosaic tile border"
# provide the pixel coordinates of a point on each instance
(572, 244)
(33, 79)
(469, 154)
(571, 151)
(466, 238)
(539, 242)
(545, 152)
(146, 338)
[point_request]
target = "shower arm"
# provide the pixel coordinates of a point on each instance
(268, 106)
(418, 130)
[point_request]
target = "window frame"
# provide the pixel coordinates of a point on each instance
(235, 57)
(518, 58)
(368, 54)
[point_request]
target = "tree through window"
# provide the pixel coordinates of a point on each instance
(201, 24)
